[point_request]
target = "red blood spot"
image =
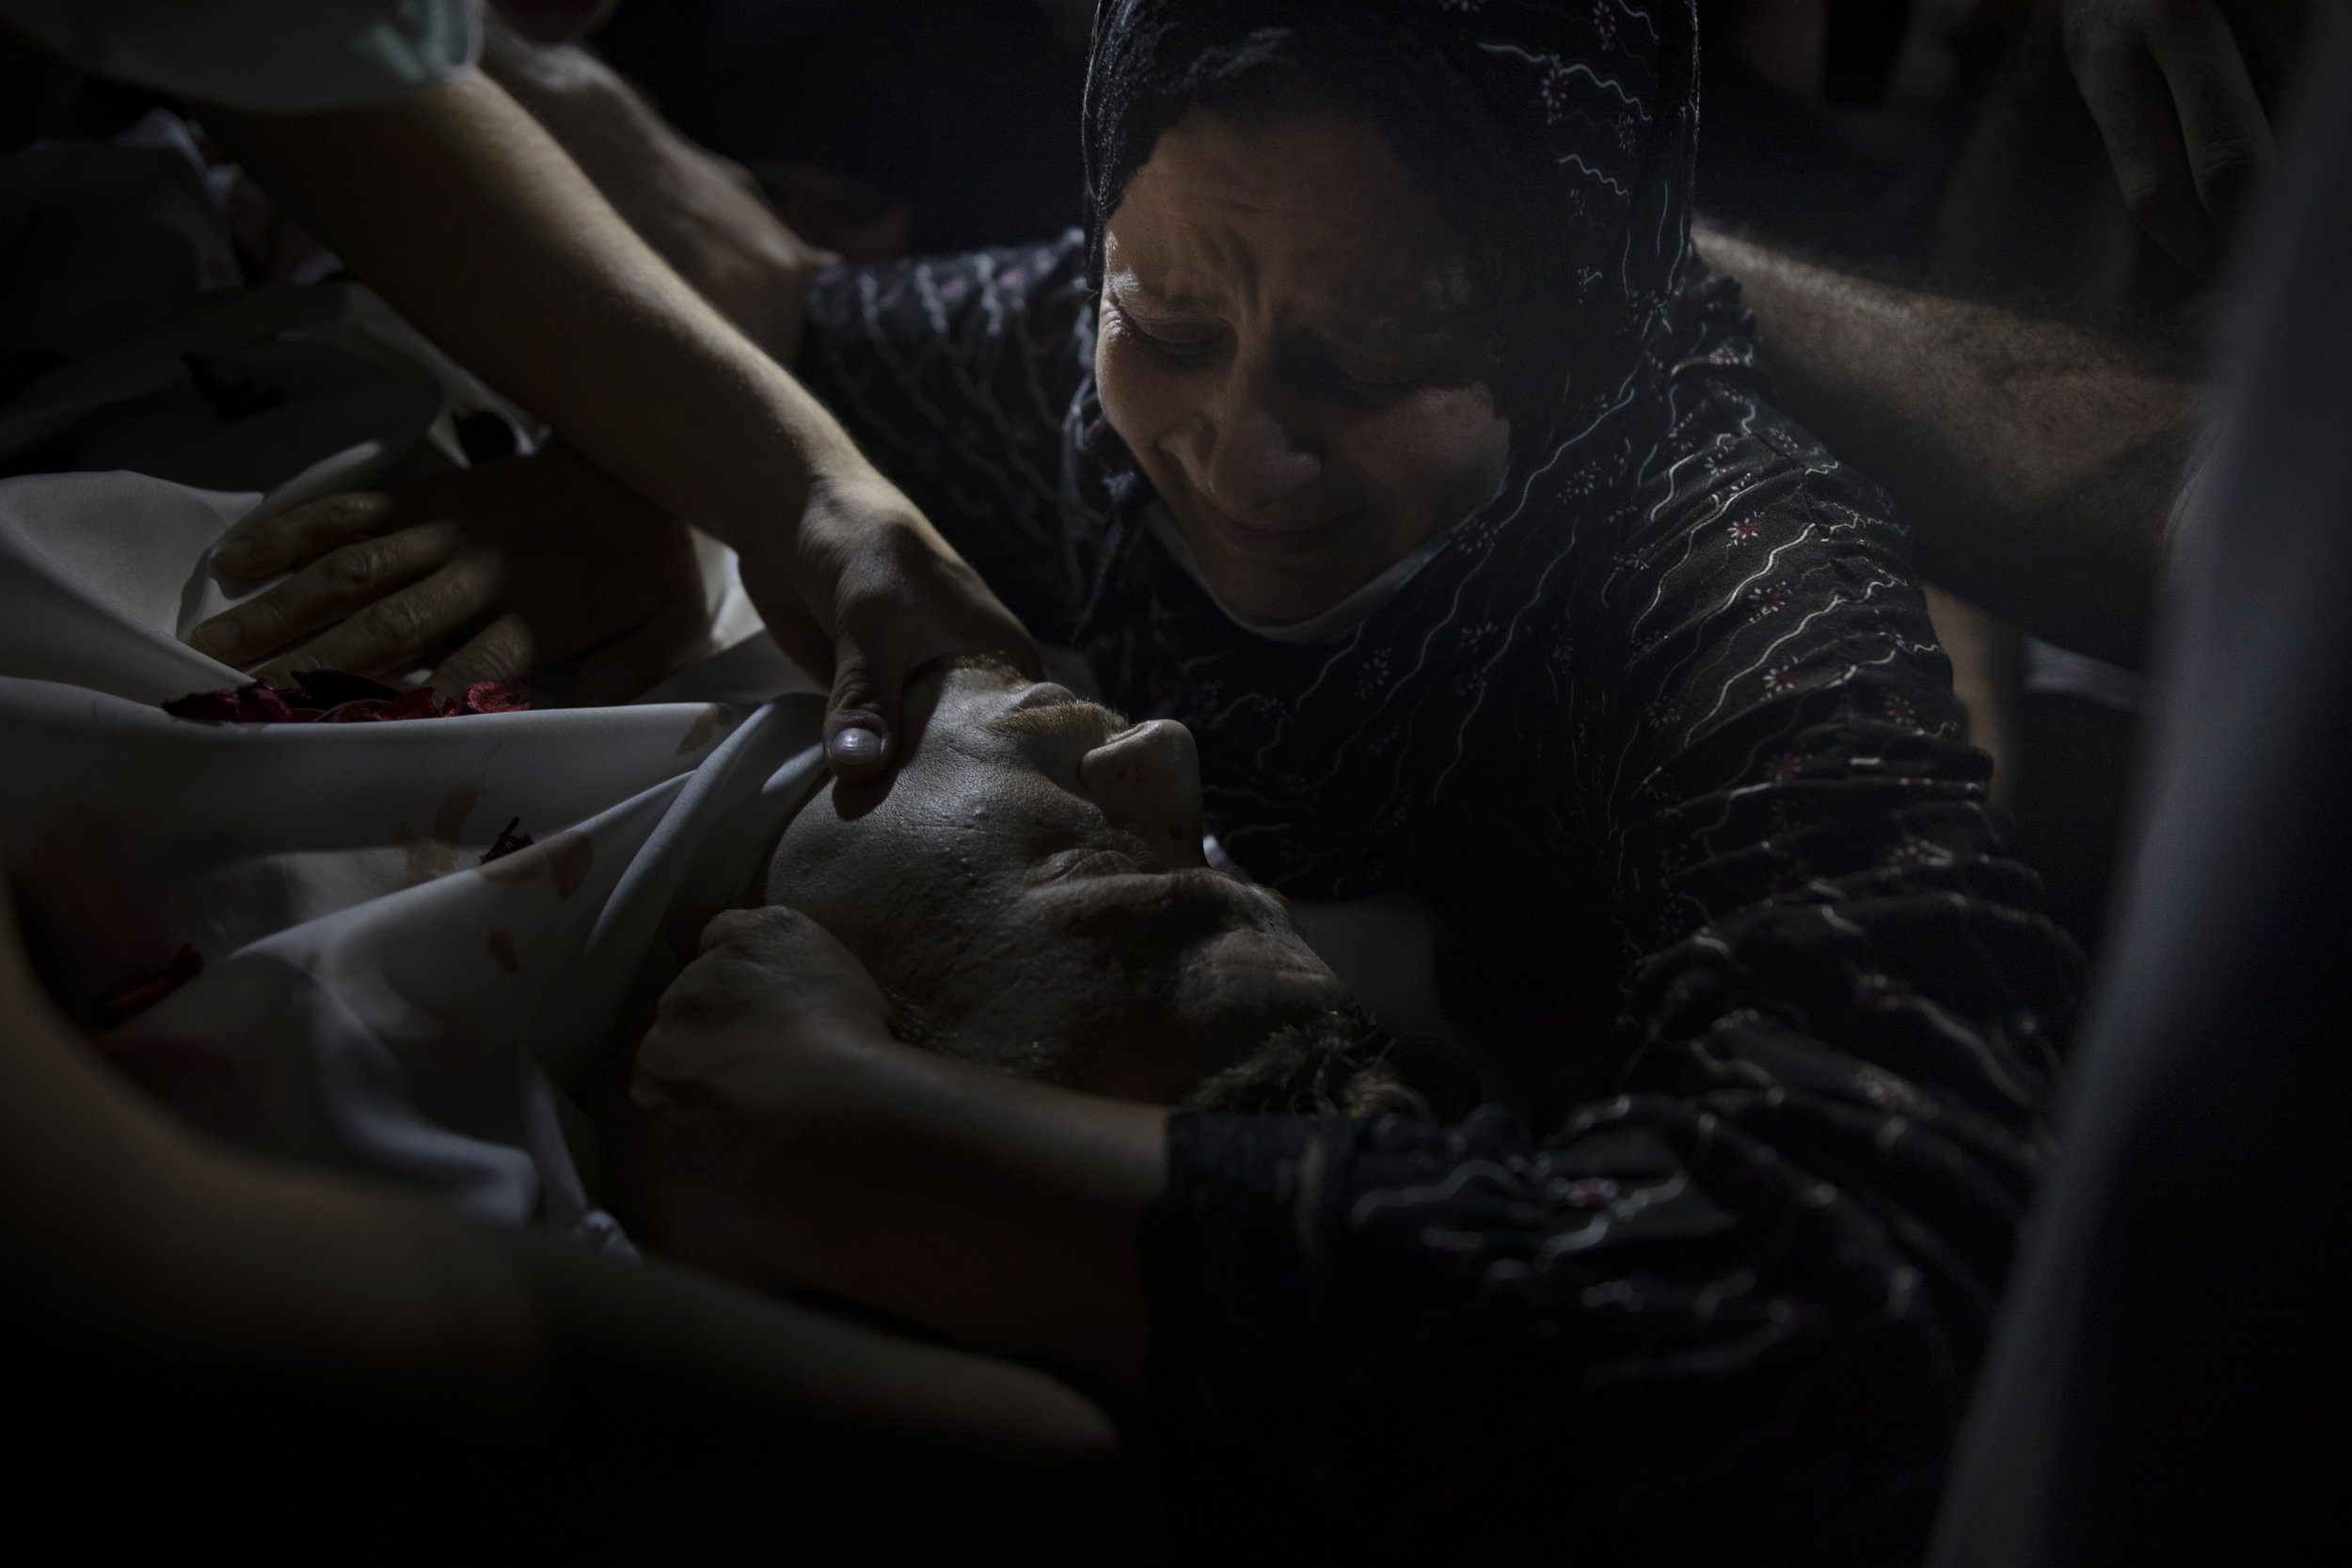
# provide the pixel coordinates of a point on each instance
(126, 1002)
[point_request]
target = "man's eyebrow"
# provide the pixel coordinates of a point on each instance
(948, 664)
(1060, 719)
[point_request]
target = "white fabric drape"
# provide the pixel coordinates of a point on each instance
(373, 996)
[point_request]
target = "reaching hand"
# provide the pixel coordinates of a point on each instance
(488, 574)
(863, 593)
(763, 983)
(729, 1066)
(2185, 92)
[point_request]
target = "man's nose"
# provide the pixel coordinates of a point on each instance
(1250, 454)
(1147, 780)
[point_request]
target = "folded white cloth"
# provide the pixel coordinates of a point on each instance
(372, 994)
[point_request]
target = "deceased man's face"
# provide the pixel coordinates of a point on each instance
(1029, 890)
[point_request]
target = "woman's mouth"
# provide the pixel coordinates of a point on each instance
(1311, 539)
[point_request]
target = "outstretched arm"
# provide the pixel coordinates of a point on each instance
(702, 213)
(476, 226)
(2038, 465)
(131, 1241)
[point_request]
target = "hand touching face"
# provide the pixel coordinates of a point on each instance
(1030, 893)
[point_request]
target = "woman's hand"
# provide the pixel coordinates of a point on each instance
(861, 592)
(777, 1133)
(481, 231)
(734, 1060)
(742, 1043)
(2185, 92)
(486, 574)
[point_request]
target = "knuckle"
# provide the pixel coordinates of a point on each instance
(328, 522)
(260, 618)
(499, 652)
(2150, 201)
(389, 622)
(358, 508)
(690, 1001)
(729, 929)
(353, 566)
(2226, 157)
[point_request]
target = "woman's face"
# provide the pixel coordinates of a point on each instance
(1290, 347)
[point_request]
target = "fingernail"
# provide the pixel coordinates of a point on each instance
(854, 746)
(213, 637)
(233, 554)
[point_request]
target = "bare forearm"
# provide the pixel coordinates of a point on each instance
(478, 227)
(2038, 465)
(701, 212)
(998, 1212)
(128, 1234)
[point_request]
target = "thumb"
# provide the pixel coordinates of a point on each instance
(870, 673)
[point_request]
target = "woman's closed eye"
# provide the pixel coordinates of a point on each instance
(1182, 346)
(1316, 363)
(1354, 371)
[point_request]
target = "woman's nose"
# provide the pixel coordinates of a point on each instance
(1248, 457)
(1147, 780)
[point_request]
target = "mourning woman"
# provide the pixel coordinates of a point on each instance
(1384, 429)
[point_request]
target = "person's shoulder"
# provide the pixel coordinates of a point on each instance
(1732, 453)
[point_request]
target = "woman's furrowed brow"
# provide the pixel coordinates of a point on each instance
(1125, 285)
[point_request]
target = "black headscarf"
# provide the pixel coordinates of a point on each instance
(1561, 133)
(1559, 138)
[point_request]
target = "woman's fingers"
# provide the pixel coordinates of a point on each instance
(2133, 104)
(873, 648)
(787, 956)
(2227, 133)
(352, 580)
(912, 600)
(881, 590)
(305, 532)
(401, 628)
(502, 651)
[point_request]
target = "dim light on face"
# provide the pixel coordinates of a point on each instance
(1291, 347)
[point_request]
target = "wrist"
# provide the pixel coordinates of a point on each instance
(996, 1210)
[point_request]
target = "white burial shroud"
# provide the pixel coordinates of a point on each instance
(373, 996)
